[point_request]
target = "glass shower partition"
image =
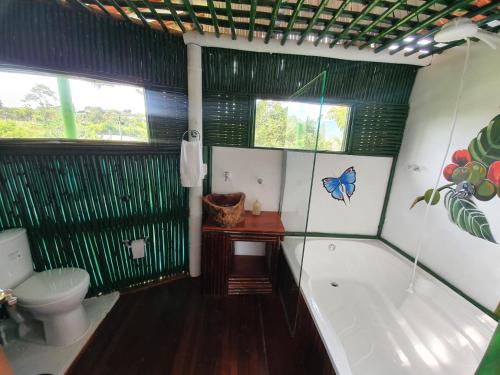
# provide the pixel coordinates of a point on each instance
(303, 112)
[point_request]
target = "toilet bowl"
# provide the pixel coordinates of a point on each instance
(48, 301)
(55, 299)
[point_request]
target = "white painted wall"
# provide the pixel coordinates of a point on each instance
(471, 264)
(246, 166)
(298, 167)
(361, 215)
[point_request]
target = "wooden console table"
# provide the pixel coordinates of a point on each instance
(225, 273)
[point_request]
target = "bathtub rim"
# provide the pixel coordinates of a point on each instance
(341, 365)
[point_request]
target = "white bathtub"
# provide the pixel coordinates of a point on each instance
(370, 325)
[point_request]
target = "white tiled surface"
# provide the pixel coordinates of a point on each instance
(29, 359)
(246, 166)
(359, 215)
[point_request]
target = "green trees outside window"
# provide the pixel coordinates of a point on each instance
(41, 106)
(282, 124)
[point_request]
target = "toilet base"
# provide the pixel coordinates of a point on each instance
(65, 328)
(54, 329)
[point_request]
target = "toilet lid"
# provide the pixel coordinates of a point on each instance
(50, 286)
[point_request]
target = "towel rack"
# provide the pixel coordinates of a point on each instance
(192, 133)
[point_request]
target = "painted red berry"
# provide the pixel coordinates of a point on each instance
(448, 171)
(494, 173)
(461, 157)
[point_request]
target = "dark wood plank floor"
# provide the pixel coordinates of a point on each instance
(173, 329)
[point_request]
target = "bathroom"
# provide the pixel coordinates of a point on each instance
(251, 187)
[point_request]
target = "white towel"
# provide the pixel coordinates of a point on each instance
(191, 163)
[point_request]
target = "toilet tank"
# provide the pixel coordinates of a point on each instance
(16, 264)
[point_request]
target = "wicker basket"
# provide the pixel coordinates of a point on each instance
(225, 210)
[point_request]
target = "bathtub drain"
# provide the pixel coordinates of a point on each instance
(333, 283)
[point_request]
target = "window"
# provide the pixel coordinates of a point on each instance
(44, 106)
(282, 124)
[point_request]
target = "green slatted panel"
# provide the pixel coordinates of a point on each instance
(167, 116)
(227, 119)
(241, 74)
(78, 208)
(377, 128)
(46, 35)
(264, 74)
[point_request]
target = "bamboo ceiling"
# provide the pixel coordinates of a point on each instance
(401, 26)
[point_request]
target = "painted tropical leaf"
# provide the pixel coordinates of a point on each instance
(465, 214)
(485, 148)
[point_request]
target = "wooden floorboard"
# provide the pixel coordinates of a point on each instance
(283, 355)
(173, 329)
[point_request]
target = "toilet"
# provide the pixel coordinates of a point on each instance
(49, 304)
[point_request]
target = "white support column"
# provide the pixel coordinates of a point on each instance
(195, 123)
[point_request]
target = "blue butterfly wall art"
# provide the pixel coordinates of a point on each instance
(341, 186)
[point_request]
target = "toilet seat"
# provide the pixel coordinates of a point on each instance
(52, 286)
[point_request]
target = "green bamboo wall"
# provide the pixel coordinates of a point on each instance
(265, 75)
(377, 92)
(78, 201)
(79, 207)
(376, 129)
(167, 117)
(42, 34)
(228, 119)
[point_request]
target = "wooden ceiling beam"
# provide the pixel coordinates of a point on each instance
(120, 10)
(484, 21)
(482, 10)
(102, 7)
(272, 22)
(331, 11)
(229, 12)
(313, 21)
(361, 16)
(291, 21)
(157, 17)
(401, 22)
(174, 14)
(370, 27)
(287, 18)
(138, 13)
(428, 21)
(383, 30)
(251, 25)
(207, 20)
(332, 21)
(215, 22)
(193, 17)
(263, 15)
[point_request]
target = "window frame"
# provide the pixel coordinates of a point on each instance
(66, 144)
(326, 101)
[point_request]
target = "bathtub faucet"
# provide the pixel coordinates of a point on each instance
(331, 247)
(7, 296)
